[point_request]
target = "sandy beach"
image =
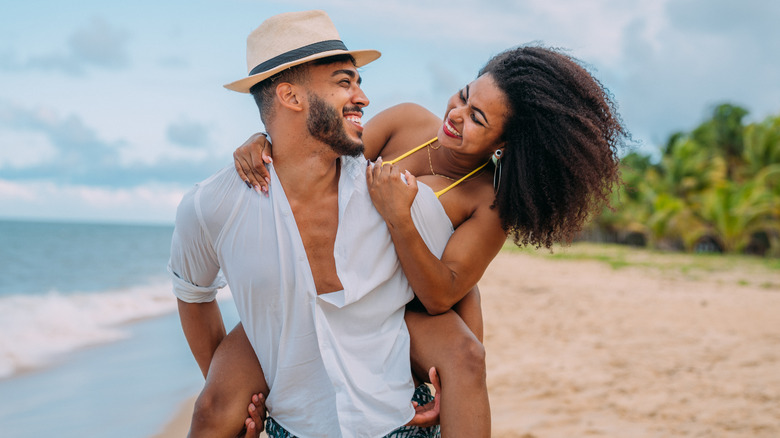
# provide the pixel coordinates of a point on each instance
(639, 345)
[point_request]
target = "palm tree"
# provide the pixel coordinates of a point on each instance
(723, 135)
(735, 211)
(721, 180)
(761, 145)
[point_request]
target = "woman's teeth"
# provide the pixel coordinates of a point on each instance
(452, 129)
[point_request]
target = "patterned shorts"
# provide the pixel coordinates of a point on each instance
(422, 395)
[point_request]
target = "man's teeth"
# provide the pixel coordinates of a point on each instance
(354, 119)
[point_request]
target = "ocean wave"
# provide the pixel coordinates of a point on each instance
(37, 328)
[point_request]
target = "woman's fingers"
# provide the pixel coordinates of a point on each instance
(259, 170)
(240, 169)
(411, 180)
(250, 159)
(266, 154)
(245, 170)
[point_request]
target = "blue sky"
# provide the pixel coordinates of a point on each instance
(110, 111)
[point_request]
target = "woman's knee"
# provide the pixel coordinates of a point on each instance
(469, 357)
(207, 413)
(216, 411)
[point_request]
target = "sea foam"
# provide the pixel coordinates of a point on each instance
(36, 329)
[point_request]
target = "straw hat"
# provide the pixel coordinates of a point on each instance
(290, 39)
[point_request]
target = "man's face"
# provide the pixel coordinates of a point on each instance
(336, 107)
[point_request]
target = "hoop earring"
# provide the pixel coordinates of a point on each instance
(496, 158)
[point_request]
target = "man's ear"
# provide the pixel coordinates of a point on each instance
(288, 95)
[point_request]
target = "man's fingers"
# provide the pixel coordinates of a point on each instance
(259, 401)
(251, 429)
(425, 416)
(434, 376)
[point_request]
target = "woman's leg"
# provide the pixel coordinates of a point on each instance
(446, 342)
(234, 376)
(470, 311)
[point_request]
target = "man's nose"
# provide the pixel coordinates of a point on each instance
(360, 98)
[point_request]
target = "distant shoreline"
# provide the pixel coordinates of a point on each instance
(85, 222)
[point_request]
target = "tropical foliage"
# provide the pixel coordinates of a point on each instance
(714, 189)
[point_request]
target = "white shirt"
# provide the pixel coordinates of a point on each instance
(337, 364)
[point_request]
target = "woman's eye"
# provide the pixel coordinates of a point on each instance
(462, 98)
(474, 119)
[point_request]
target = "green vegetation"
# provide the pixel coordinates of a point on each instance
(736, 269)
(715, 189)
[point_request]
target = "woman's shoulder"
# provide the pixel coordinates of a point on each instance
(406, 109)
(402, 117)
(398, 124)
(471, 199)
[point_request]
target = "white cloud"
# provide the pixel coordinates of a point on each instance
(188, 133)
(666, 62)
(45, 200)
(99, 43)
(24, 149)
(95, 44)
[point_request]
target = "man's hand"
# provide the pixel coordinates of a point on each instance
(428, 414)
(256, 419)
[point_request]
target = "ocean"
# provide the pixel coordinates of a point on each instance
(90, 341)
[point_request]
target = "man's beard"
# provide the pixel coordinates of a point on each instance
(327, 125)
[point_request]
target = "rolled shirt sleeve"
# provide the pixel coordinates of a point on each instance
(194, 266)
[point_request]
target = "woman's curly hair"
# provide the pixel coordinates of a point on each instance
(562, 139)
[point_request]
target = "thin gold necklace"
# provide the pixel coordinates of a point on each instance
(430, 164)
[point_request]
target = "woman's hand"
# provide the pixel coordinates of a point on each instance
(250, 160)
(391, 196)
(256, 419)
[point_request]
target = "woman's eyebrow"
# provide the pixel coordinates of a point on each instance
(482, 113)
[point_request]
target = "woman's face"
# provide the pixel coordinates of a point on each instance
(475, 118)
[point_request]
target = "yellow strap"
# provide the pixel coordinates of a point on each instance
(429, 142)
(410, 152)
(447, 189)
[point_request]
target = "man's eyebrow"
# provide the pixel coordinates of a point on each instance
(351, 73)
(477, 109)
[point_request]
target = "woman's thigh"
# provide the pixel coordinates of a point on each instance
(234, 376)
(440, 341)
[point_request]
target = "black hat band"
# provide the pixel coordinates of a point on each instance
(299, 53)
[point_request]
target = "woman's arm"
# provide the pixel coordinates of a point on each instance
(438, 283)
(251, 157)
(379, 131)
(470, 311)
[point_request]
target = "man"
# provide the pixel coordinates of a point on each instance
(313, 273)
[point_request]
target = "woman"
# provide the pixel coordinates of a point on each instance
(528, 149)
